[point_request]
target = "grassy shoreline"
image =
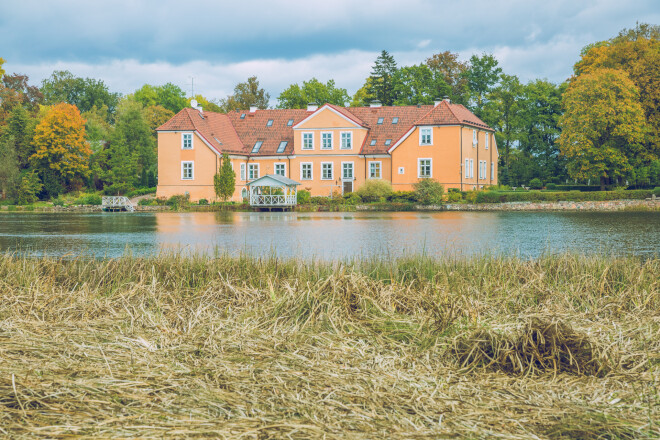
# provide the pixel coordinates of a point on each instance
(486, 347)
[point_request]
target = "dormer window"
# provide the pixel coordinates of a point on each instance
(373, 142)
(380, 121)
(282, 146)
(257, 146)
(395, 120)
(242, 115)
(425, 136)
(290, 123)
(388, 142)
(269, 123)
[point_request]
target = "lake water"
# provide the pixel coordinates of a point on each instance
(332, 235)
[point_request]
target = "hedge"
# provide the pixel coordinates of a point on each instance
(573, 196)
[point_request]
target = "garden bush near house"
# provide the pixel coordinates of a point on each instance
(551, 186)
(141, 192)
(303, 197)
(454, 196)
(202, 202)
(375, 190)
(535, 183)
(429, 192)
(543, 196)
(147, 202)
(178, 201)
(402, 197)
(352, 199)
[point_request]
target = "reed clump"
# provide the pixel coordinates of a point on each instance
(563, 346)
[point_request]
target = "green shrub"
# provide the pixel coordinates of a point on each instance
(535, 183)
(656, 191)
(88, 199)
(203, 202)
(178, 201)
(454, 196)
(352, 198)
(551, 186)
(303, 197)
(319, 200)
(375, 190)
(147, 202)
(429, 192)
(12, 208)
(59, 201)
(543, 196)
(402, 197)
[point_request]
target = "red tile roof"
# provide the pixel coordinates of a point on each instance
(232, 134)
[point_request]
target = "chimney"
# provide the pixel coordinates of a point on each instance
(253, 108)
(447, 100)
(312, 107)
(374, 103)
(436, 102)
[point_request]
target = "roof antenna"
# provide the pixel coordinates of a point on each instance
(192, 86)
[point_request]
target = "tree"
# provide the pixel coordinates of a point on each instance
(19, 128)
(453, 72)
(637, 52)
(224, 181)
(84, 93)
(382, 82)
(313, 90)
(418, 85)
(481, 77)
(603, 127)
(132, 129)
(502, 112)
(2, 71)
(29, 188)
(60, 144)
(209, 106)
(122, 165)
(156, 115)
(246, 95)
(169, 96)
(26, 95)
(9, 170)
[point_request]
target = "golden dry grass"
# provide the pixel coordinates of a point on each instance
(559, 347)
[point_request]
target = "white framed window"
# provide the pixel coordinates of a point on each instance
(426, 136)
(402, 170)
(326, 171)
(326, 140)
(282, 146)
(474, 138)
(306, 171)
(244, 193)
(308, 141)
(380, 121)
(257, 146)
(280, 168)
(347, 170)
(186, 141)
(487, 138)
(187, 170)
(395, 120)
(269, 123)
(471, 169)
(242, 171)
(424, 168)
(375, 170)
(346, 140)
(253, 171)
(482, 169)
(466, 173)
(492, 171)
(289, 123)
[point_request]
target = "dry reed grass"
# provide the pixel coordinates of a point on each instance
(558, 347)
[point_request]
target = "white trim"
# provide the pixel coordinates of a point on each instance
(471, 168)
(332, 171)
(380, 169)
(302, 141)
(243, 172)
(419, 163)
(475, 138)
(275, 168)
(192, 169)
(332, 140)
(352, 171)
(421, 129)
(311, 170)
(409, 132)
(250, 165)
(183, 140)
(323, 107)
(341, 140)
(492, 170)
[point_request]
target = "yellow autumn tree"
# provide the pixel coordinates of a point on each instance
(603, 126)
(59, 141)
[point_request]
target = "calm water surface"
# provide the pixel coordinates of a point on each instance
(332, 235)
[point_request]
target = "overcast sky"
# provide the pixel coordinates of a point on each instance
(128, 43)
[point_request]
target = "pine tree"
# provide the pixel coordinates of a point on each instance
(382, 83)
(224, 181)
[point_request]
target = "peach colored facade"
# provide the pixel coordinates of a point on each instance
(328, 152)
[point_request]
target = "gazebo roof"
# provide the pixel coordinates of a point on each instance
(273, 180)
